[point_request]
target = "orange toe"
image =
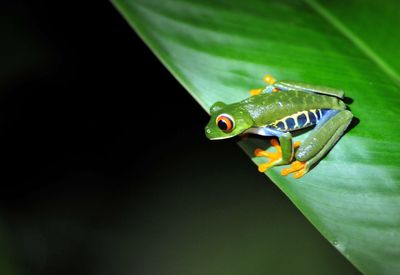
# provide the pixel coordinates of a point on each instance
(254, 92)
(273, 158)
(269, 79)
(264, 167)
(299, 174)
(298, 167)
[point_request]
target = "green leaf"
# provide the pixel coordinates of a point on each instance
(220, 49)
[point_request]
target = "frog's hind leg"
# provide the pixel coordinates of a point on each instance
(320, 141)
(298, 86)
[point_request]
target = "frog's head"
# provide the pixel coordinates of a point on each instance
(227, 121)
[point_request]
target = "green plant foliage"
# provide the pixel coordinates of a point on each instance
(220, 49)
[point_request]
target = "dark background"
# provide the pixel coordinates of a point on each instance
(106, 170)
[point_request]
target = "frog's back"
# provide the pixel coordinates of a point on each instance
(290, 110)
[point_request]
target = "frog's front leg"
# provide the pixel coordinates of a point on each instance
(284, 151)
(320, 141)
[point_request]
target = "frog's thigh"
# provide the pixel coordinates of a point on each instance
(324, 136)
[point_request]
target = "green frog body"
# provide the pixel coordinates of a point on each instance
(276, 111)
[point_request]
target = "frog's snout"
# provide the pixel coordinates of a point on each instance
(208, 132)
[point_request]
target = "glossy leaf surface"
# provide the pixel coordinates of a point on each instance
(219, 50)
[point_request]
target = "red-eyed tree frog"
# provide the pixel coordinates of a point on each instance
(277, 110)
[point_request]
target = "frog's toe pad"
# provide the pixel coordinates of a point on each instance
(269, 79)
(298, 169)
(264, 166)
(274, 158)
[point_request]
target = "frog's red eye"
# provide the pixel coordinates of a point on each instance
(225, 122)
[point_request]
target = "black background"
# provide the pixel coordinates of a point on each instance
(105, 167)
(95, 100)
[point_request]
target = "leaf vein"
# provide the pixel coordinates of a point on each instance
(355, 39)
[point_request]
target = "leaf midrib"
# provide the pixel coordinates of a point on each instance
(358, 42)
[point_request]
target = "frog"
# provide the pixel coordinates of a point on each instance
(278, 111)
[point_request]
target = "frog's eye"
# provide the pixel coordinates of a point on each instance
(225, 122)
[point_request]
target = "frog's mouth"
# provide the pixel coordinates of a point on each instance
(218, 136)
(210, 136)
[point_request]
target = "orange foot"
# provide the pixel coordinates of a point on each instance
(299, 168)
(269, 79)
(254, 92)
(273, 157)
